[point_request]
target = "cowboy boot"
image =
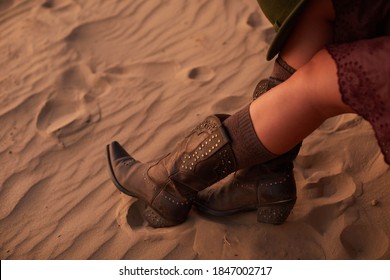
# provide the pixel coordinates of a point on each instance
(169, 185)
(218, 146)
(269, 187)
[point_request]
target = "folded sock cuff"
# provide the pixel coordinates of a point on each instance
(246, 146)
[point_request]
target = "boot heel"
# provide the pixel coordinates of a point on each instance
(156, 220)
(275, 213)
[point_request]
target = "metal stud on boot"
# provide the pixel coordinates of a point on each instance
(169, 185)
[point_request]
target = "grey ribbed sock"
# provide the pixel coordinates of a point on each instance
(247, 147)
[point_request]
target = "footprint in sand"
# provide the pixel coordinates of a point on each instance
(331, 196)
(364, 242)
(198, 74)
(203, 74)
(5, 5)
(56, 4)
(254, 20)
(72, 106)
(160, 71)
(49, 4)
(154, 71)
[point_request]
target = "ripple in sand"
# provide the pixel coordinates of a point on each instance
(335, 188)
(5, 4)
(364, 242)
(154, 71)
(340, 123)
(330, 198)
(72, 107)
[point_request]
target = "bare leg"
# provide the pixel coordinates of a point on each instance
(298, 106)
(311, 33)
(281, 118)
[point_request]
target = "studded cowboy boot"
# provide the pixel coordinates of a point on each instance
(269, 187)
(169, 185)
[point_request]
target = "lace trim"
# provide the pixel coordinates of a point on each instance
(360, 91)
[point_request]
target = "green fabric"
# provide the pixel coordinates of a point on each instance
(283, 15)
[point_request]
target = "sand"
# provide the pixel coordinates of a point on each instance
(76, 75)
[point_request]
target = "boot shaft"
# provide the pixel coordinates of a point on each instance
(201, 159)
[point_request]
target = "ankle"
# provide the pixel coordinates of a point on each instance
(282, 70)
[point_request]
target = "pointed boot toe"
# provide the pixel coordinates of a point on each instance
(131, 178)
(117, 151)
(117, 159)
(169, 185)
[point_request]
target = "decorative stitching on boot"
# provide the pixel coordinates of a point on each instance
(208, 124)
(237, 184)
(225, 164)
(284, 179)
(206, 148)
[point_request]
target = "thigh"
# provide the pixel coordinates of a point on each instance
(311, 33)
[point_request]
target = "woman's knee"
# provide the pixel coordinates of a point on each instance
(319, 80)
(311, 33)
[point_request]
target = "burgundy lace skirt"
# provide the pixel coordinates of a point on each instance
(361, 51)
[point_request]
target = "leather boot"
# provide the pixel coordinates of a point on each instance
(269, 187)
(169, 185)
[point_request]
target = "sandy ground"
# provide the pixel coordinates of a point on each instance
(75, 75)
